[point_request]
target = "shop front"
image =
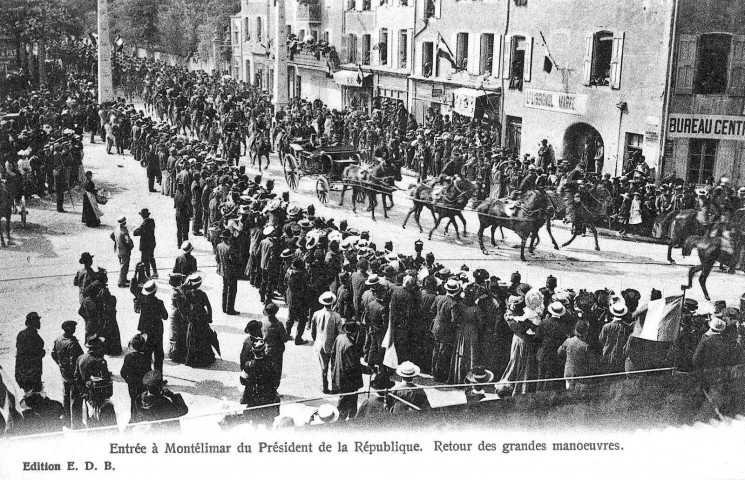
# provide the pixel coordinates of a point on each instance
(391, 88)
(356, 89)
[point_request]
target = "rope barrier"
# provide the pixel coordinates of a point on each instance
(243, 410)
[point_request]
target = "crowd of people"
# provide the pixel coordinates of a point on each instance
(369, 310)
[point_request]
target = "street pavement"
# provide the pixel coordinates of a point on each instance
(36, 274)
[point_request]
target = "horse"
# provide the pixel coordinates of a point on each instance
(258, 147)
(711, 250)
(380, 179)
(535, 211)
(582, 208)
(424, 195)
(685, 224)
(6, 210)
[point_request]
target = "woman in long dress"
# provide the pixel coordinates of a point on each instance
(91, 213)
(198, 334)
(523, 362)
(470, 320)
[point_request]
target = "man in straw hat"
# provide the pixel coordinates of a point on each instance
(551, 334)
(406, 396)
(478, 376)
(325, 327)
(715, 350)
(123, 246)
(613, 338)
(346, 369)
(443, 329)
(152, 314)
(85, 276)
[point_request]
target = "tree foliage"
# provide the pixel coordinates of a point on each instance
(216, 18)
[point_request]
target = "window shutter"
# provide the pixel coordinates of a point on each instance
(410, 49)
(358, 5)
(737, 66)
(528, 65)
(393, 39)
(496, 64)
(438, 7)
(343, 53)
(587, 65)
(616, 62)
(507, 56)
(375, 52)
(686, 64)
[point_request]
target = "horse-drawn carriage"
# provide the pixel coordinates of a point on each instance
(326, 163)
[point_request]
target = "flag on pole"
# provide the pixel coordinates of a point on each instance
(443, 51)
(390, 359)
(360, 74)
(659, 320)
(548, 64)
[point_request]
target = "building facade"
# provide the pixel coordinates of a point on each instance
(705, 126)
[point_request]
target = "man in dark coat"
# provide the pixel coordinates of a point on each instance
(404, 316)
(66, 351)
(159, 403)
(346, 369)
(152, 314)
(136, 364)
(613, 338)
(123, 246)
(296, 298)
(90, 364)
(186, 264)
(259, 378)
(268, 264)
(146, 232)
(184, 212)
(379, 403)
(358, 286)
(551, 335)
(153, 170)
(275, 337)
(29, 354)
(443, 329)
(715, 350)
(85, 275)
(407, 397)
(227, 259)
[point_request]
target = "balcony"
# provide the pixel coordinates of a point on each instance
(308, 13)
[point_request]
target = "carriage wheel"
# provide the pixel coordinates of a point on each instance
(322, 189)
(292, 176)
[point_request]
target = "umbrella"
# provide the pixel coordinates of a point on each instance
(215, 342)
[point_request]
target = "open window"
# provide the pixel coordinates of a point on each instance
(403, 49)
(366, 40)
(428, 49)
(247, 29)
(259, 30)
(712, 64)
(352, 48)
(515, 67)
(383, 46)
(432, 8)
(603, 59)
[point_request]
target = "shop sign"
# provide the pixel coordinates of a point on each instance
(571, 103)
(437, 91)
(715, 127)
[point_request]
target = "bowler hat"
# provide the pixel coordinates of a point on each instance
(271, 308)
(86, 257)
(69, 324)
(144, 213)
(32, 317)
(149, 288)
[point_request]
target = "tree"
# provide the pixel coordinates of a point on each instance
(216, 17)
(135, 20)
(177, 27)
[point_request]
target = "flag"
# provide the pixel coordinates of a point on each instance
(390, 359)
(659, 320)
(10, 400)
(360, 74)
(444, 51)
(548, 64)
(94, 39)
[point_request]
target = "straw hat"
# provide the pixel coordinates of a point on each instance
(408, 370)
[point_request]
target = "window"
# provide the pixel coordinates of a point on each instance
(314, 34)
(429, 9)
(298, 84)
(634, 142)
(301, 35)
(383, 46)
(403, 49)
(236, 37)
(366, 41)
(247, 76)
(428, 53)
(601, 58)
(513, 134)
(246, 29)
(461, 51)
(712, 64)
(366, 5)
(352, 48)
(404, 3)
(326, 36)
(288, 30)
(702, 154)
(258, 78)
(487, 53)
(517, 62)
(270, 83)
(259, 30)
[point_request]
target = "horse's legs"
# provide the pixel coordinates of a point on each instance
(344, 189)
(437, 223)
(455, 225)
(501, 230)
(373, 202)
(481, 237)
(2, 238)
(494, 242)
(566, 244)
(670, 251)
(385, 207)
(462, 219)
(705, 271)
(406, 220)
(522, 248)
(447, 226)
(691, 272)
(595, 234)
(418, 217)
(550, 234)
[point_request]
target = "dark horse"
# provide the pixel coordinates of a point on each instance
(685, 223)
(582, 208)
(258, 147)
(447, 205)
(378, 180)
(534, 211)
(710, 251)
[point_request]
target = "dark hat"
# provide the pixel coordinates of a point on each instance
(138, 342)
(271, 308)
(480, 274)
(382, 381)
(86, 257)
(153, 378)
(144, 213)
(253, 327)
(690, 304)
(32, 317)
(69, 325)
(350, 325)
(581, 328)
(94, 341)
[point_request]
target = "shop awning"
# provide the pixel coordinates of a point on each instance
(464, 100)
(350, 78)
